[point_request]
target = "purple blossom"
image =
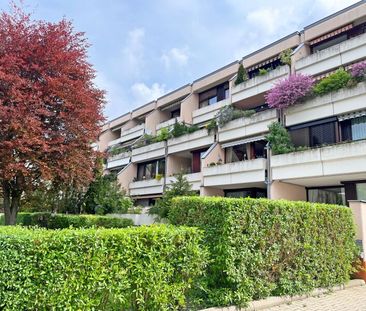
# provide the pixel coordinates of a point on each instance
(288, 91)
(359, 70)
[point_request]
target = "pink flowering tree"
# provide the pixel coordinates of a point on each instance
(288, 91)
(358, 71)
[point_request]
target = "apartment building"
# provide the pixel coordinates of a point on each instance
(233, 160)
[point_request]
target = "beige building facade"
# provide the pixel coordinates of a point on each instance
(233, 160)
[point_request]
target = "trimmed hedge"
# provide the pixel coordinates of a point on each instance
(61, 221)
(144, 268)
(261, 247)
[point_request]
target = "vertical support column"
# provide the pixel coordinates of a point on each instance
(359, 216)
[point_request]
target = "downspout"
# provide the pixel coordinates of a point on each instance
(166, 164)
(269, 170)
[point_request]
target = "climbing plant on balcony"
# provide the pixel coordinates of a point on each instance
(288, 91)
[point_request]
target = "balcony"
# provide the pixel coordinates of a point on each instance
(246, 173)
(207, 113)
(146, 187)
(195, 179)
(333, 57)
(196, 140)
(118, 160)
(342, 159)
(168, 123)
(126, 135)
(258, 85)
(254, 125)
(343, 101)
(149, 152)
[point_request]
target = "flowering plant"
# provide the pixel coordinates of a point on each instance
(358, 71)
(288, 91)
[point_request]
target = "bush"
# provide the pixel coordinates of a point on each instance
(61, 221)
(180, 128)
(333, 82)
(289, 91)
(241, 76)
(261, 247)
(279, 139)
(229, 113)
(145, 268)
(163, 135)
(358, 71)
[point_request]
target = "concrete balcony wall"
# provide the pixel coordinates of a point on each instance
(214, 154)
(154, 118)
(146, 187)
(132, 133)
(254, 125)
(195, 179)
(126, 175)
(177, 164)
(251, 171)
(196, 140)
(168, 123)
(118, 160)
(188, 105)
(149, 152)
(259, 84)
(347, 158)
(333, 57)
(209, 112)
(343, 101)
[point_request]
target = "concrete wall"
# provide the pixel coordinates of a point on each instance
(154, 118)
(213, 156)
(104, 138)
(281, 190)
(188, 105)
(211, 192)
(126, 176)
(176, 164)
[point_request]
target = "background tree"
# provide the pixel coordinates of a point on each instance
(50, 110)
(181, 187)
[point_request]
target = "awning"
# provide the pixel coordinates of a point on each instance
(242, 141)
(331, 34)
(261, 64)
(352, 115)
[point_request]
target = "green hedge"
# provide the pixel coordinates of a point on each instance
(141, 268)
(61, 221)
(261, 247)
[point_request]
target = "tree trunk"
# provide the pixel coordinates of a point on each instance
(11, 204)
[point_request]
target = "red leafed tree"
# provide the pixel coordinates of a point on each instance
(50, 110)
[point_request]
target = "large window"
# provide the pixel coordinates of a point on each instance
(214, 95)
(354, 129)
(361, 191)
(330, 195)
(149, 170)
(247, 151)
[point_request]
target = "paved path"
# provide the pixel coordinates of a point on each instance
(351, 299)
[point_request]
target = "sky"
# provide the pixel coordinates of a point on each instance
(143, 49)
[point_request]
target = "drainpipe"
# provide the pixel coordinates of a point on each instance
(166, 164)
(269, 170)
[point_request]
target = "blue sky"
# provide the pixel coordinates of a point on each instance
(144, 49)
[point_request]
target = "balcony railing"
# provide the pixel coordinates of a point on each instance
(340, 159)
(207, 113)
(244, 172)
(259, 84)
(149, 152)
(129, 134)
(333, 57)
(196, 140)
(168, 123)
(118, 160)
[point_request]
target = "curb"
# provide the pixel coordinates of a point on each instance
(277, 301)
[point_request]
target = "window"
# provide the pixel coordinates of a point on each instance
(354, 129)
(149, 170)
(214, 95)
(322, 134)
(175, 113)
(236, 153)
(330, 195)
(361, 191)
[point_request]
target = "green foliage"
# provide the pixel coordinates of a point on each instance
(117, 150)
(229, 113)
(263, 71)
(181, 187)
(279, 139)
(333, 82)
(105, 196)
(163, 135)
(61, 221)
(212, 125)
(241, 76)
(145, 268)
(180, 129)
(285, 57)
(261, 247)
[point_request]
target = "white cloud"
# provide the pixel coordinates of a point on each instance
(175, 56)
(143, 94)
(133, 52)
(331, 6)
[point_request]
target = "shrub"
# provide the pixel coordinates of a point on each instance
(117, 150)
(229, 113)
(358, 71)
(145, 268)
(241, 76)
(163, 135)
(333, 82)
(212, 125)
(61, 221)
(288, 91)
(261, 247)
(279, 139)
(263, 71)
(180, 128)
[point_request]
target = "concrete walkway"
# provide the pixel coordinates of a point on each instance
(350, 299)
